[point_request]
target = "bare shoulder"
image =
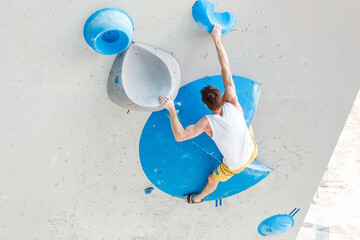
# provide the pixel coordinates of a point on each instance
(229, 94)
(237, 105)
(203, 123)
(231, 97)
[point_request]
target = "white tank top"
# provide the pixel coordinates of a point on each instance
(231, 136)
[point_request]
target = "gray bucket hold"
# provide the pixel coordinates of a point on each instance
(142, 73)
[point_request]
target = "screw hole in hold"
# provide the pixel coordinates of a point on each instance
(117, 80)
(111, 36)
(269, 230)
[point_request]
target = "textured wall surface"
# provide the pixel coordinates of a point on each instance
(69, 157)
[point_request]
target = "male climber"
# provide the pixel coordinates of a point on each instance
(226, 126)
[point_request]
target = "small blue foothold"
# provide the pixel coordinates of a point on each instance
(276, 224)
(149, 190)
(204, 14)
(117, 80)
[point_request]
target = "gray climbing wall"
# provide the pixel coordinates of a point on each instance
(69, 165)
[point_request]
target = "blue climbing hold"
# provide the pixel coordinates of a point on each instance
(204, 14)
(277, 224)
(179, 168)
(109, 31)
(149, 190)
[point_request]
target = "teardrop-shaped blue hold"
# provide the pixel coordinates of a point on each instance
(276, 224)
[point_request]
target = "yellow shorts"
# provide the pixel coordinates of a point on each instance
(222, 173)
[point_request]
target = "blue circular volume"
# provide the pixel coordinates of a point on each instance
(109, 31)
(179, 168)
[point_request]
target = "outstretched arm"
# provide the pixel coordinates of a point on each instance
(229, 94)
(223, 58)
(180, 133)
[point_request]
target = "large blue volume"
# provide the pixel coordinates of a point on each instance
(204, 14)
(109, 31)
(179, 168)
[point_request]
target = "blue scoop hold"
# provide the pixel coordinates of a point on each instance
(109, 31)
(204, 14)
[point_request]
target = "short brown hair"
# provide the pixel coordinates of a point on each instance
(211, 96)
